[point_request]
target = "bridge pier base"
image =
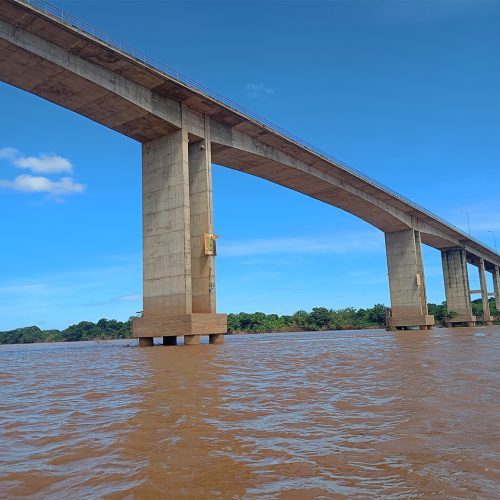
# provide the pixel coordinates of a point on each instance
(179, 276)
(216, 338)
(406, 281)
(146, 341)
(456, 286)
(191, 339)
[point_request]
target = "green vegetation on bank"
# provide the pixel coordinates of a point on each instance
(440, 312)
(320, 318)
(104, 329)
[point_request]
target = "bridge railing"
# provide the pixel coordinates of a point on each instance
(247, 113)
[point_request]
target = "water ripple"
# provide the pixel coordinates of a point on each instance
(343, 414)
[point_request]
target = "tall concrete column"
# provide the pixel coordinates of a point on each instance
(166, 226)
(200, 195)
(484, 293)
(456, 285)
(406, 280)
(496, 285)
(179, 279)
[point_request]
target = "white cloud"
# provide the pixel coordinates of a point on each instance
(38, 184)
(341, 243)
(8, 153)
(44, 164)
(47, 164)
(256, 90)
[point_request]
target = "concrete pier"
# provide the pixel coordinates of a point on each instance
(166, 226)
(496, 286)
(146, 341)
(406, 281)
(216, 338)
(487, 318)
(201, 210)
(191, 339)
(456, 285)
(179, 278)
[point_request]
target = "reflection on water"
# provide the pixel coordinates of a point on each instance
(309, 415)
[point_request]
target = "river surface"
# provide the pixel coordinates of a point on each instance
(359, 414)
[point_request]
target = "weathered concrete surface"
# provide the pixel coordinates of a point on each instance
(178, 325)
(146, 342)
(63, 77)
(484, 293)
(456, 285)
(406, 280)
(216, 339)
(192, 340)
(496, 286)
(166, 226)
(200, 195)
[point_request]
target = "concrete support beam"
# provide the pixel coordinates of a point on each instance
(166, 226)
(496, 285)
(62, 76)
(456, 285)
(406, 281)
(484, 293)
(200, 196)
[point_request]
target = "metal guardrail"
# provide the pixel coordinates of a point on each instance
(220, 99)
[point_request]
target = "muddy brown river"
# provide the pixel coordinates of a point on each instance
(359, 414)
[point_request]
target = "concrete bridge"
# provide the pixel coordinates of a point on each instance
(183, 128)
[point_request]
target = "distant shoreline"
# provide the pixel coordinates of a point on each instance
(318, 319)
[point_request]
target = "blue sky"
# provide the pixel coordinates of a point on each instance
(408, 92)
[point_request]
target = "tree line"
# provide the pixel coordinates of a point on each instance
(104, 329)
(441, 313)
(320, 318)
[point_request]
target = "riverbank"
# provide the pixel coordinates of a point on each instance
(318, 319)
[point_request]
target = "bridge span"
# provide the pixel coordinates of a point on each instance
(184, 127)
